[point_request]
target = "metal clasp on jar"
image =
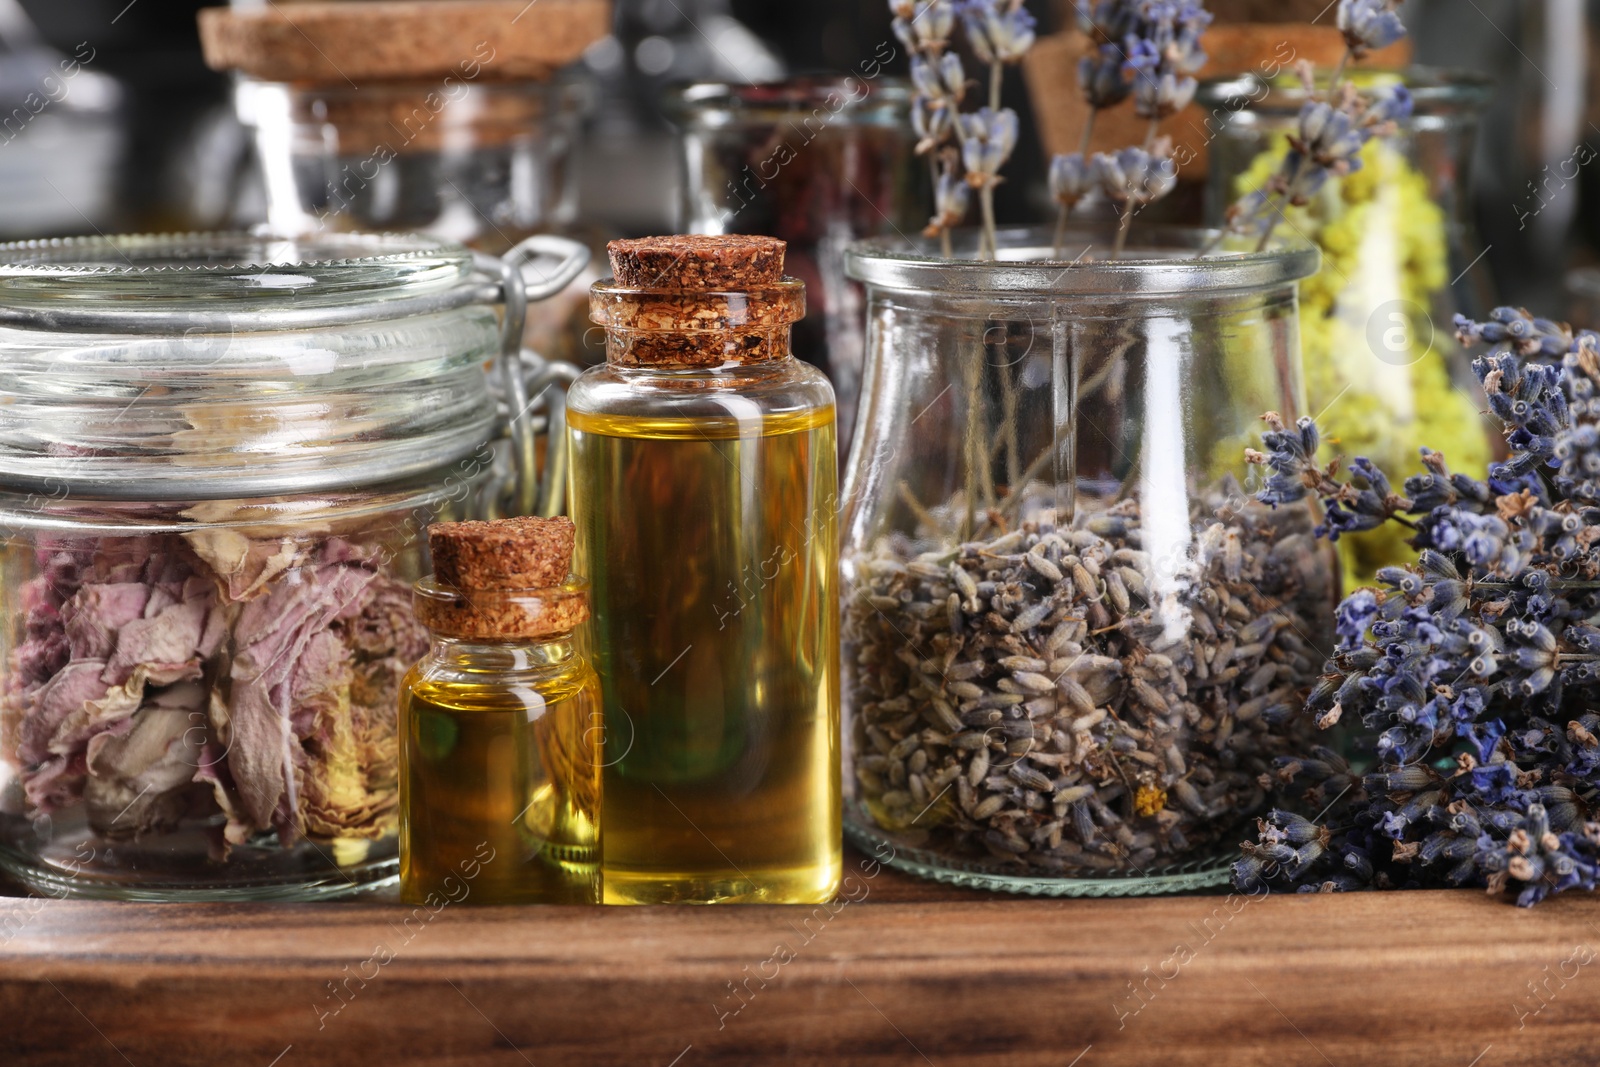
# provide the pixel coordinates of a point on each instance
(532, 389)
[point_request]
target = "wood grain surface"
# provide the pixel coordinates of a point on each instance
(895, 973)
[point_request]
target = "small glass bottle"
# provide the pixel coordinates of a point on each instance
(703, 486)
(500, 723)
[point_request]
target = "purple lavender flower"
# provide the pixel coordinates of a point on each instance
(1333, 130)
(1162, 53)
(951, 199)
(1111, 19)
(930, 122)
(1133, 177)
(1330, 138)
(1290, 457)
(1000, 31)
(1103, 77)
(1523, 334)
(1071, 178)
(988, 138)
(1472, 675)
(1389, 104)
(1368, 25)
(924, 25)
(1355, 615)
(941, 82)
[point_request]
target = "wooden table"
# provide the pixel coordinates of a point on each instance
(903, 973)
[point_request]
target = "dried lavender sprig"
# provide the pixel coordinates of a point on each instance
(1148, 50)
(1473, 672)
(1000, 32)
(965, 151)
(939, 83)
(1332, 129)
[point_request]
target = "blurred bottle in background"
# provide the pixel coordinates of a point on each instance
(818, 162)
(1537, 169)
(629, 177)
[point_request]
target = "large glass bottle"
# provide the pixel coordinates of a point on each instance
(704, 491)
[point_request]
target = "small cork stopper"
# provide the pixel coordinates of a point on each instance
(521, 553)
(506, 578)
(704, 263)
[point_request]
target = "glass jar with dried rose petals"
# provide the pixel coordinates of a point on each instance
(218, 457)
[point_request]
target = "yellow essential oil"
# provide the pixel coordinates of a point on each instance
(500, 727)
(506, 774)
(714, 548)
(704, 488)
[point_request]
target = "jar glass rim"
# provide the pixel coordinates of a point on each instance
(714, 104)
(1160, 261)
(227, 266)
(1435, 91)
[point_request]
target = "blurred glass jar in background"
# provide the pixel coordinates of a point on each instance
(1384, 374)
(61, 140)
(481, 162)
(818, 162)
(455, 126)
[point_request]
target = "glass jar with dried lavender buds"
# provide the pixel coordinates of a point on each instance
(1072, 640)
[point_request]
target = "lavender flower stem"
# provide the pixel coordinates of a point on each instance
(1122, 232)
(986, 201)
(1275, 216)
(1339, 72)
(986, 194)
(1083, 150)
(944, 231)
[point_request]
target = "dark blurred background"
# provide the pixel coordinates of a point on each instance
(145, 137)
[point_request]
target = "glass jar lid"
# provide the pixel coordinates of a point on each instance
(215, 366)
(1435, 92)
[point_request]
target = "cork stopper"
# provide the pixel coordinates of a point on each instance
(697, 301)
(346, 44)
(520, 553)
(704, 263)
(503, 578)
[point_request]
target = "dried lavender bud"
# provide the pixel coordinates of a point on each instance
(1332, 130)
(988, 138)
(1084, 747)
(1104, 78)
(1369, 25)
(1071, 179)
(1134, 178)
(1000, 31)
